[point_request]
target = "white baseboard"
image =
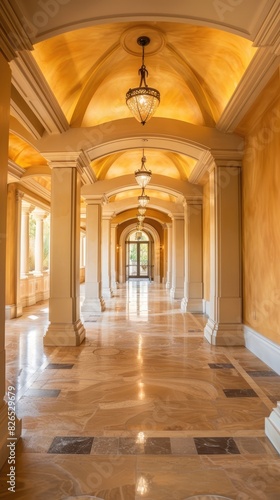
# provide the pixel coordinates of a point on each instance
(263, 348)
(206, 306)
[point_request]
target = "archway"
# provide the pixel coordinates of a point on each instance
(139, 256)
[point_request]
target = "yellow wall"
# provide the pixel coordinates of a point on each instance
(206, 242)
(261, 214)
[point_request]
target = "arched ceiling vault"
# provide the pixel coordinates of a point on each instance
(68, 93)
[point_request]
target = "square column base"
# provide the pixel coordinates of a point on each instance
(65, 334)
(93, 305)
(7, 451)
(272, 427)
(224, 334)
(192, 305)
(177, 293)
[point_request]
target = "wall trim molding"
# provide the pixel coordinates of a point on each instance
(263, 348)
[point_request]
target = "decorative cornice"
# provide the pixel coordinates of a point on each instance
(269, 31)
(15, 170)
(257, 75)
(29, 81)
(228, 157)
(201, 167)
(13, 37)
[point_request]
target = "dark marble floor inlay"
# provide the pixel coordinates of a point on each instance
(42, 393)
(220, 365)
(262, 373)
(71, 445)
(59, 366)
(157, 446)
(216, 446)
(240, 393)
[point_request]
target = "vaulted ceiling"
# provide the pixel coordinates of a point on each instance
(209, 60)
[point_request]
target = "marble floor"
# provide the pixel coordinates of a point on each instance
(144, 409)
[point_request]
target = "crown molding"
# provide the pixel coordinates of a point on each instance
(13, 37)
(259, 72)
(268, 33)
(29, 81)
(15, 170)
(201, 167)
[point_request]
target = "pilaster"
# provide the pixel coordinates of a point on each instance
(193, 282)
(178, 259)
(66, 327)
(94, 302)
(169, 255)
(224, 326)
(106, 256)
(114, 256)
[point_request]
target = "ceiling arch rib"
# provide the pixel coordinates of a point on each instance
(95, 77)
(201, 95)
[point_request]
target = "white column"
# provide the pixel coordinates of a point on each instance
(66, 327)
(193, 286)
(26, 210)
(113, 255)
(224, 326)
(169, 256)
(94, 301)
(4, 140)
(39, 216)
(272, 427)
(106, 256)
(178, 259)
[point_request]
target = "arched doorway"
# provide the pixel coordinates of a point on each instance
(138, 255)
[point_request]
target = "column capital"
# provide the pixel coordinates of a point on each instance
(68, 159)
(40, 214)
(19, 195)
(108, 215)
(13, 36)
(192, 200)
(178, 216)
(27, 207)
(95, 199)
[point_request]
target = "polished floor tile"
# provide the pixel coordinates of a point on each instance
(144, 408)
(216, 446)
(71, 445)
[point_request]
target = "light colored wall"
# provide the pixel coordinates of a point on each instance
(261, 215)
(206, 242)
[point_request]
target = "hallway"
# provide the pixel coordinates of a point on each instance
(144, 408)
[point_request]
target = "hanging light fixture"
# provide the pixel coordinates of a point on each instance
(143, 100)
(140, 218)
(142, 175)
(143, 199)
(141, 210)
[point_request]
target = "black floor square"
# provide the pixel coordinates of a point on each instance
(216, 446)
(158, 446)
(59, 366)
(220, 365)
(71, 445)
(240, 393)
